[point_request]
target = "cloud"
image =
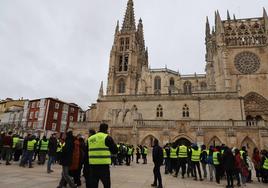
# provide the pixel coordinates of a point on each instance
(61, 48)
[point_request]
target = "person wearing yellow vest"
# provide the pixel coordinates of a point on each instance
(86, 169)
(195, 159)
(144, 153)
(173, 157)
(166, 152)
(264, 166)
(16, 140)
(43, 147)
(216, 157)
(100, 148)
(31, 145)
(182, 160)
(129, 153)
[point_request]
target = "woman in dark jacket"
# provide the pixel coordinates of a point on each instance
(229, 165)
(66, 161)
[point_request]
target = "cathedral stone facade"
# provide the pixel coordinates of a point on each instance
(228, 104)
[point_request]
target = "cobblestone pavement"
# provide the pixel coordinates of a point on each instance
(134, 176)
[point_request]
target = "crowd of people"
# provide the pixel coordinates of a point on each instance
(220, 162)
(75, 154)
(94, 155)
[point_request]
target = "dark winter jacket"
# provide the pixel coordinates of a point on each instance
(67, 150)
(52, 146)
(158, 155)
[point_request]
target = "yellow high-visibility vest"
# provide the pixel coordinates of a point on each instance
(98, 152)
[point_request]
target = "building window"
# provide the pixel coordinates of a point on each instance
(31, 115)
(125, 62)
(185, 111)
(71, 118)
(37, 104)
(64, 117)
(159, 111)
(157, 84)
(187, 87)
(57, 105)
(33, 104)
(203, 86)
(120, 68)
(36, 114)
(54, 126)
(171, 82)
(72, 110)
(127, 43)
(55, 115)
(121, 86)
(121, 44)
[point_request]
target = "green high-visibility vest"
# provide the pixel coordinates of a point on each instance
(30, 145)
(265, 164)
(173, 153)
(44, 145)
(145, 151)
(182, 151)
(242, 153)
(15, 141)
(195, 155)
(164, 153)
(215, 158)
(129, 151)
(98, 152)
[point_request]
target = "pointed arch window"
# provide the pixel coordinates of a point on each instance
(121, 86)
(120, 66)
(126, 63)
(171, 82)
(185, 111)
(187, 87)
(157, 84)
(159, 111)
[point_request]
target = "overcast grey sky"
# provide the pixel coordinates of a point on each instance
(60, 48)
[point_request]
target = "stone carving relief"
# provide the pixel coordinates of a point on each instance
(255, 104)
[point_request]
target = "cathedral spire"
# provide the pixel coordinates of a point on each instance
(228, 15)
(234, 17)
(117, 27)
(218, 24)
(101, 90)
(129, 20)
(265, 17)
(207, 28)
(141, 35)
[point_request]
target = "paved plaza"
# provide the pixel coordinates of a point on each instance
(134, 176)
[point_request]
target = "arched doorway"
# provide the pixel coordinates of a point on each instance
(215, 141)
(248, 143)
(148, 141)
(183, 141)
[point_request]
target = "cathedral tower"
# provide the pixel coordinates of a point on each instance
(236, 54)
(128, 56)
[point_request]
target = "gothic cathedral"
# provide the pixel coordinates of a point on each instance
(228, 104)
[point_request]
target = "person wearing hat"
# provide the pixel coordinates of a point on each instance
(100, 148)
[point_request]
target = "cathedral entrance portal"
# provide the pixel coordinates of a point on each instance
(183, 141)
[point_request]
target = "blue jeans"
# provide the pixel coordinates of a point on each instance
(49, 162)
(28, 157)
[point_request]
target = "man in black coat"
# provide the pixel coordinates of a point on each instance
(158, 161)
(52, 151)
